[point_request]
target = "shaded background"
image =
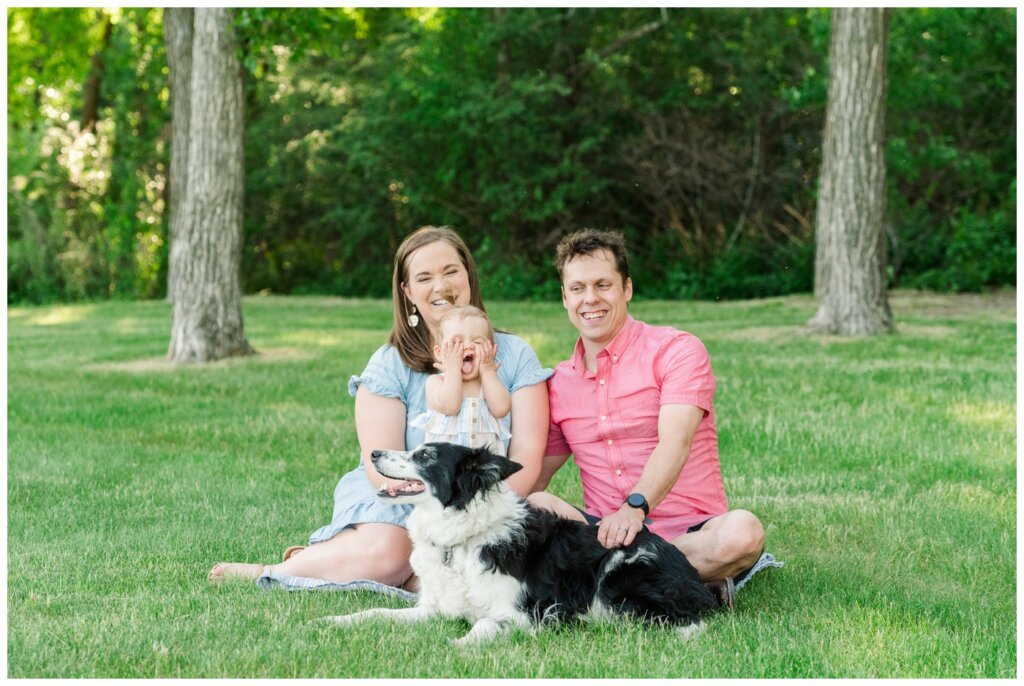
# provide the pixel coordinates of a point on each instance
(696, 132)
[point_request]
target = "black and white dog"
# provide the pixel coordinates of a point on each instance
(483, 554)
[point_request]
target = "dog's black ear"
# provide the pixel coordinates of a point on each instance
(501, 464)
(508, 468)
(478, 471)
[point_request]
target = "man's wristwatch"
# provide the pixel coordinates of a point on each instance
(638, 501)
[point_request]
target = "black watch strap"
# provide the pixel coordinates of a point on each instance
(638, 501)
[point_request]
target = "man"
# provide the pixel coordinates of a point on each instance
(633, 405)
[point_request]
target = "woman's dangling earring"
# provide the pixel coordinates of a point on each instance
(414, 319)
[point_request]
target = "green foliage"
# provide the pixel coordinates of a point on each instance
(884, 470)
(695, 131)
(48, 48)
(950, 153)
(86, 204)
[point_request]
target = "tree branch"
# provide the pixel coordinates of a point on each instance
(582, 67)
(634, 35)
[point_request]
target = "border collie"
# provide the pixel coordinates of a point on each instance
(483, 554)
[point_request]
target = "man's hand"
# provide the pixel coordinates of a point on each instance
(620, 528)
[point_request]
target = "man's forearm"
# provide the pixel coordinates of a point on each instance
(661, 472)
(677, 425)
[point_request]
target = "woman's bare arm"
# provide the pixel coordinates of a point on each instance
(529, 435)
(380, 425)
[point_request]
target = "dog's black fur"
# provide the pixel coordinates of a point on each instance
(564, 570)
(564, 573)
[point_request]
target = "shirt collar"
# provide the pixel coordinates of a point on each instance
(614, 350)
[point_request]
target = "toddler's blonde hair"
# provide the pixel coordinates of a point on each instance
(461, 312)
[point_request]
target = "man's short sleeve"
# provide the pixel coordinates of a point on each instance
(385, 375)
(684, 370)
(519, 366)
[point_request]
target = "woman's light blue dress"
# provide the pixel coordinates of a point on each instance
(355, 498)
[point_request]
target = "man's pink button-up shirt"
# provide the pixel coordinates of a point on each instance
(609, 422)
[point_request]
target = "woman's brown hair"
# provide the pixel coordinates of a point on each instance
(413, 343)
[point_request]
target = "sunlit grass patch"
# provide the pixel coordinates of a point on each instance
(985, 415)
(58, 315)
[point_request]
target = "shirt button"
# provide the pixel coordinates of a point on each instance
(615, 358)
(474, 420)
(618, 472)
(603, 418)
(610, 441)
(602, 382)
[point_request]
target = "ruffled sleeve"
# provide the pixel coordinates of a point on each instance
(436, 423)
(519, 364)
(385, 375)
(491, 424)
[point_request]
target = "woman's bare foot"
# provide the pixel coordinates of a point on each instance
(234, 570)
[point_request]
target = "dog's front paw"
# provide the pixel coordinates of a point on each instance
(483, 630)
(467, 641)
(691, 631)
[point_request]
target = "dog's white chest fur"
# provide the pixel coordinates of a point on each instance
(446, 557)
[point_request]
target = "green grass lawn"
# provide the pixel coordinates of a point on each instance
(883, 468)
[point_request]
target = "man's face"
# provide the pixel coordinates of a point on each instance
(595, 297)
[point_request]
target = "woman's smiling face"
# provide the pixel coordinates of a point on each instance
(436, 280)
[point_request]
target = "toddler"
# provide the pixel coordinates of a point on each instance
(467, 399)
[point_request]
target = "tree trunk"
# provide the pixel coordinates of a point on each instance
(178, 37)
(91, 89)
(206, 252)
(850, 260)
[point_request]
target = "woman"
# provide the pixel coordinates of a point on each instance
(366, 539)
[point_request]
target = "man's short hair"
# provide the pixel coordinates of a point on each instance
(588, 242)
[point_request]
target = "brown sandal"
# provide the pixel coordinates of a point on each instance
(291, 550)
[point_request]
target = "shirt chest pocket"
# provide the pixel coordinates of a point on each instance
(636, 399)
(638, 411)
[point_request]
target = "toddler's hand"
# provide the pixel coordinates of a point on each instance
(452, 352)
(487, 352)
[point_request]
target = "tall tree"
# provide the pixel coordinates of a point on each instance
(178, 23)
(91, 91)
(206, 249)
(850, 259)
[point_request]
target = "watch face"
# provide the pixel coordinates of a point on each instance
(636, 500)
